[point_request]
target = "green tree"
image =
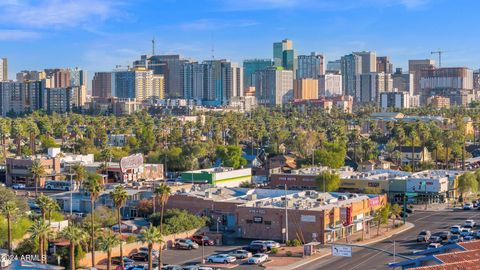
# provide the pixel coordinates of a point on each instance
(38, 171)
(151, 236)
(80, 173)
(75, 235)
(331, 155)
(40, 231)
(467, 182)
(106, 242)
(327, 181)
(93, 186)
(395, 211)
(10, 210)
(231, 156)
(162, 192)
(381, 217)
(119, 197)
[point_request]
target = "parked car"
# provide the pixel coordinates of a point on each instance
(172, 267)
(465, 232)
(183, 243)
(139, 256)
(18, 186)
(477, 234)
(423, 236)
(455, 239)
(434, 245)
(435, 239)
(456, 229)
(256, 248)
(468, 238)
(469, 223)
(221, 258)
(155, 253)
(196, 267)
(203, 240)
(444, 235)
(126, 260)
(467, 206)
(271, 244)
(258, 242)
(240, 254)
(258, 258)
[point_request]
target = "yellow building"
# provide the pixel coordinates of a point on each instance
(305, 89)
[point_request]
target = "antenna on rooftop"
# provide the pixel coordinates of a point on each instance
(153, 46)
(213, 48)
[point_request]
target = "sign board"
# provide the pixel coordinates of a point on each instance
(419, 185)
(341, 251)
(307, 218)
(411, 194)
(131, 162)
(257, 219)
(375, 201)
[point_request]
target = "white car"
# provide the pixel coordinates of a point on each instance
(240, 254)
(469, 223)
(467, 206)
(258, 258)
(272, 244)
(18, 186)
(434, 245)
(221, 258)
(258, 242)
(456, 229)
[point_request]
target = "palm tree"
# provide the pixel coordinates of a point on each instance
(119, 197)
(40, 231)
(106, 242)
(163, 192)
(52, 206)
(93, 187)
(150, 236)
(75, 235)
(38, 171)
(43, 202)
(80, 172)
(10, 211)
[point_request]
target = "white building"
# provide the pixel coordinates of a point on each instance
(273, 86)
(329, 85)
(3, 69)
(396, 100)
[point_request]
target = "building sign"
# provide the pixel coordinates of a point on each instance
(436, 185)
(372, 202)
(131, 162)
(307, 218)
(257, 211)
(373, 184)
(341, 251)
(257, 219)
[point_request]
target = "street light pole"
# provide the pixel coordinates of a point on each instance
(286, 215)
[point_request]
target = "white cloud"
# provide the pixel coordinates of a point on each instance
(56, 13)
(9, 34)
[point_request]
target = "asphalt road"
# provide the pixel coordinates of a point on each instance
(363, 258)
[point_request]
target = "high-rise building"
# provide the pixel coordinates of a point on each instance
(416, 67)
(310, 66)
(20, 97)
(476, 80)
(273, 86)
(330, 85)
(369, 61)
(123, 84)
(33, 75)
(278, 51)
(138, 83)
(158, 86)
(395, 100)
(170, 66)
(455, 83)
(306, 88)
(78, 77)
(60, 100)
(351, 68)
(3, 69)
(59, 78)
(102, 84)
(384, 65)
(372, 84)
(403, 82)
(334, 66)
(193, 80)
(251, 66)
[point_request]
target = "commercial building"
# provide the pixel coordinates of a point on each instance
(438, 102)
(384, 65)
(372, 84)
(394, 100)
(403, 82)
(30, 75)
(310, 66)
(305, 88)
(251, 66)
(279, 49)
(454, 83)
(58, 78)
(369, 61)
(330, 85)
(243, 104)
(273, 86)
(20, 97)
(138, 83)
(102, 84)
(60, 100)
(220, 177)
(351, 68)
(18, 170)
(334, 66)
(416, 67)
(260, 213)
(3, 69)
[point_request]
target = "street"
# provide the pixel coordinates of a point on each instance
(363, 258)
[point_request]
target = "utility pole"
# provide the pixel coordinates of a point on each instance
(439, 52)
(286, 215)
(153, 46)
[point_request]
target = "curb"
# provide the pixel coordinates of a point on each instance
(407, 227)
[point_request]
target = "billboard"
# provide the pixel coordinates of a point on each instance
(131, 162)
(435, 185)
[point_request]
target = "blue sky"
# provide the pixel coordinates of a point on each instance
(99, 34)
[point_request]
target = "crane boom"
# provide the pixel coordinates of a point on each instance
(439, 52)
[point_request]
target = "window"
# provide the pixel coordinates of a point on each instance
(267, 222)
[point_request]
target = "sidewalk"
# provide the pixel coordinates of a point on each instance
(326, 251)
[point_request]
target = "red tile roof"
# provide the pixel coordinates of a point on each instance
(465, 265)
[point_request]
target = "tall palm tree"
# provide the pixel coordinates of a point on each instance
(80, 172)
(75, 235)
(93, 186)
(10, 211)
(163, 192)
(106, 242)
(52, 206)
(119, 197)
(38, 171)
(40, 231)
(150, 236)
(43, 202)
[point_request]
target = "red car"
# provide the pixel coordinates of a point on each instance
(203, 240)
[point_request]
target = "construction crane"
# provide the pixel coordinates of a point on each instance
(439, 52)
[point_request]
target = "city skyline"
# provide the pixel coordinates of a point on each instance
(97, 35)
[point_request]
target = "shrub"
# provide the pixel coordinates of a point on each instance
(288, 253)
(131, 239)
(296, 243)
(274, 250)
